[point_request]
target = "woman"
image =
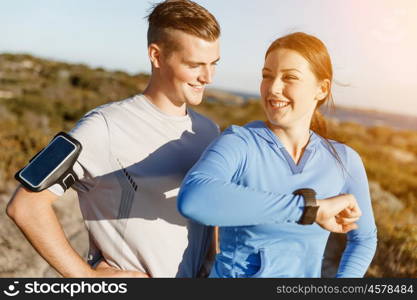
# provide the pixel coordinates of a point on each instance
(245, 180)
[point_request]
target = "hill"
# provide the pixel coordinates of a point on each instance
(39, 97)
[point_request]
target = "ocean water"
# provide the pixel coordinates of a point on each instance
(362, 116)
(374, 118)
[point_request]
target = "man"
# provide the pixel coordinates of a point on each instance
(134, 156)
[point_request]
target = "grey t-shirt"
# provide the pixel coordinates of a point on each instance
(133, 160)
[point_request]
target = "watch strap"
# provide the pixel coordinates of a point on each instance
(310, 205)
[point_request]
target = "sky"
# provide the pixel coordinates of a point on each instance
(372, 43)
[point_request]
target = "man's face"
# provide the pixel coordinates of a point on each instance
(185, 71)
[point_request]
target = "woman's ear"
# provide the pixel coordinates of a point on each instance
(323, 90)
(154, 53)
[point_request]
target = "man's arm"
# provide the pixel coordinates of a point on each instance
(34, 215)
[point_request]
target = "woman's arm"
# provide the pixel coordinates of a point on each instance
(361, 243)
(209, 196)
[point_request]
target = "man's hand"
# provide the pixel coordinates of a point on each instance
(48, 238)
(338, 214)
(103, 269)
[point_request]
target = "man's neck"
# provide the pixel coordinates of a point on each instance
(161, 100)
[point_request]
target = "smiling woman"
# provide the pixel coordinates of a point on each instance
(297, 78)
(259, 172)
(290, 91)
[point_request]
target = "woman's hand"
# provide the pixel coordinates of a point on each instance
(338, 214)
(103, 269)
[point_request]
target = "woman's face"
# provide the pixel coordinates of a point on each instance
(289, 89)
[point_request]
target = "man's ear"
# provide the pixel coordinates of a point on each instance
(323, 90)
(154, 53)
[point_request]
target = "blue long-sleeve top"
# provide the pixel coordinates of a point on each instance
(243, 183)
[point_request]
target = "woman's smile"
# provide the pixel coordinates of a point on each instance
(278, 104)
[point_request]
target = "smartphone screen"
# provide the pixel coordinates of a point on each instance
(47, 161)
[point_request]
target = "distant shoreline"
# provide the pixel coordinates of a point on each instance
(364, 116)
(374, 118)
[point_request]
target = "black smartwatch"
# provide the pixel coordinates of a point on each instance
(310, 206)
